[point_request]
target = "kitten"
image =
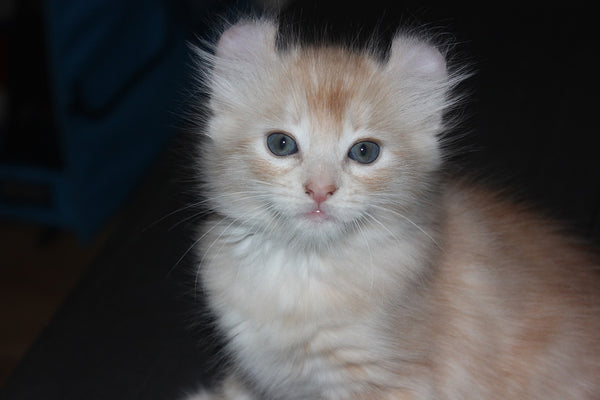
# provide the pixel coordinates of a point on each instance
(341, 264)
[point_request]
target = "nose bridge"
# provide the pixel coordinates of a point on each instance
(321, 166)
(321, 172)
(322, 158)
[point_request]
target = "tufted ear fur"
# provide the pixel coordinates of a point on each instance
(247, 40)
(418, 72)
(243, 57)
(411, 57)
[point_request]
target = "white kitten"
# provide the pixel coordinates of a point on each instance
(340, 265)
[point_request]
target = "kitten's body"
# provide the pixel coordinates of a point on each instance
(333, 279)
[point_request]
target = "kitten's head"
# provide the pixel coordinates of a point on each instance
(313, 143)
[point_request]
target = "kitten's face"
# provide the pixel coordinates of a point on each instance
(316, 143)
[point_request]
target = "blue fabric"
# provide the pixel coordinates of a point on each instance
(116, 69)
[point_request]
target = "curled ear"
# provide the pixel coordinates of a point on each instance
(247, 40)
(243, 58)
(418, 73)
(412, 57)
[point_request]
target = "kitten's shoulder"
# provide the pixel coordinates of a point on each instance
(511, 276)
(493, 228)
(502, 209)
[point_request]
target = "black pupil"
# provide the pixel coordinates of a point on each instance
(363, 150)
(282, 143)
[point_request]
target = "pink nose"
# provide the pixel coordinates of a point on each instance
(319, 193)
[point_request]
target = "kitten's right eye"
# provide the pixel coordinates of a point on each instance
(281, 144)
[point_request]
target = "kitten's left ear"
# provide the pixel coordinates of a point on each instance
(247, 40)
(411, 57)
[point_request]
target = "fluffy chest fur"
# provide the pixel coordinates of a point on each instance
(319, 323)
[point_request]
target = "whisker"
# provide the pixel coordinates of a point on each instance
(399, 214)
(359, 229)
(205, 212)
(195, 243)
(190, 248)
(197, 281)
(186, 219)
(169, 215)
(392, 234)
(184, 208)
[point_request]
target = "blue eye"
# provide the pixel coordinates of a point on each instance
(364, 152)
(281, 144)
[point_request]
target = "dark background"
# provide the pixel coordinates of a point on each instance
(134, 328)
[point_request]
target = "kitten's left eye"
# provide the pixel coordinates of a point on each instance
(281, 144)
(364, 152)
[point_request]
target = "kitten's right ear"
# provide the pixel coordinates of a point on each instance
(411, 57)
(247, 40)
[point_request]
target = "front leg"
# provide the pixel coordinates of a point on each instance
(230, 389)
